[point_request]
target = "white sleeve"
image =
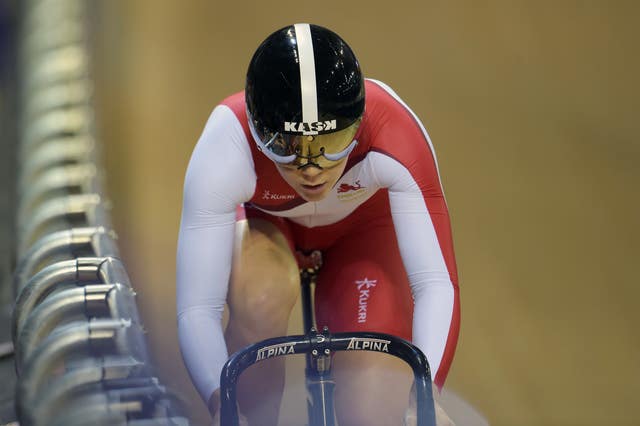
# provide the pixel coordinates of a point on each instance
(431, 285)
(220, 176)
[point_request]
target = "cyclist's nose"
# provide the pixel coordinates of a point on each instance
(310, 171)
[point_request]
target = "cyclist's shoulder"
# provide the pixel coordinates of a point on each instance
(385, 108)
(379, 92)
(388, 120)
(227, 115)
(234, 101)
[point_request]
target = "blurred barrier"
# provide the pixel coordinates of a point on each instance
(80, 350)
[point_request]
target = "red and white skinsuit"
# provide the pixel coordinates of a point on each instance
(384, 231)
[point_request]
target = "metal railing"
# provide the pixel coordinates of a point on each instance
(80, 349)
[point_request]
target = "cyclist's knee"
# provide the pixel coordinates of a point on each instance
(363, 381)
(266, 293)
(264, 281)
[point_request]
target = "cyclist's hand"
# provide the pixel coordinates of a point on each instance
(442, 419)
(411, 418)
(242, 420)
(214, 409)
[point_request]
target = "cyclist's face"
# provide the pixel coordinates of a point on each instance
(311, 182)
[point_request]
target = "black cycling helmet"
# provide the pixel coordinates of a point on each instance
(304, 80)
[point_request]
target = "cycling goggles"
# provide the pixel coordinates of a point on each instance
(323, 151)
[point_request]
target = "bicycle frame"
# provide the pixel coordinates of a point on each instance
(319, 348)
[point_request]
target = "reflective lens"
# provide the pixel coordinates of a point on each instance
(323, 150)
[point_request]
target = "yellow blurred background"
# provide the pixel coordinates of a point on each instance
(532, 107)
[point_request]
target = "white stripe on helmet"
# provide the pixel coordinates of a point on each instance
(308, 88)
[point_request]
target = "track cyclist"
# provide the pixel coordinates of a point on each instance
(313, 156)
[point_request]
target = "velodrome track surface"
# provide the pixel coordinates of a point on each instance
(532, 109)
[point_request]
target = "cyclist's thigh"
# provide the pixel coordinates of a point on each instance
(263, 290)
(363, 285)
(263, 243)
(264, 281)
(253, 226)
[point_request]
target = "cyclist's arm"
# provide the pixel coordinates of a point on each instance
(424, 240)
(220, 176)
(404, 162)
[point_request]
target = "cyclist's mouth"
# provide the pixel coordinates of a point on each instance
(314, 188)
